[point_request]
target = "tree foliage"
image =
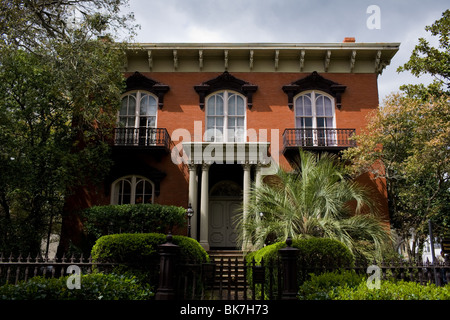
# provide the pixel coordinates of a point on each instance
(426, 59)
(60, 88)
(411, 139)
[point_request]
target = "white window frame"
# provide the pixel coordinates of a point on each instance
(135, 179)
(226, 116)
(138, 137)
(330, 138)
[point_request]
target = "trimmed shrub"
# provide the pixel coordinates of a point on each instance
(325, 285)
(392, 290)
(138, 253)
(137, 218)
(95, 286)
(316, 255)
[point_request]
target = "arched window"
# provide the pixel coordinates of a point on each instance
(225, 117)
(137, 119)
(315, 118)
(132, 190)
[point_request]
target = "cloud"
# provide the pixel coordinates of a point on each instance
(291, 21)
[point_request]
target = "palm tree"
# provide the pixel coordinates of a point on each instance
(316, 199)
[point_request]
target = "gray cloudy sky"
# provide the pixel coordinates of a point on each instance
(292, 21)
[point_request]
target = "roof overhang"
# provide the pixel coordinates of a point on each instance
(345, 57)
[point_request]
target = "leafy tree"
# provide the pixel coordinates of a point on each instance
(60, 87)
(411, 139)
(317, 199)
(407, 142)
(426, 59)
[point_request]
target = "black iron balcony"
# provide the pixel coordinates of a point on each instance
(148, 138)
(318, 139)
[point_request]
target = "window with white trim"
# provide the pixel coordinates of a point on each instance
(225, 117)
(132, 190)
(137, 118)
(315, 118)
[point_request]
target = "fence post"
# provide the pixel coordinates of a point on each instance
(168, 253)
(289, 262)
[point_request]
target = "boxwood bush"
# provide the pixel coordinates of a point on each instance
(325, 285)
(95, 286)
(138, 253)
(127, 218)
(316, 255)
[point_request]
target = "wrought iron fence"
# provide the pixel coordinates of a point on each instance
(224, 279)
(15, 269)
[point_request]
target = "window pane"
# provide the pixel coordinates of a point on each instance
(124, 107)
(320, 122)
(219, 122)
(219, 105)
(319, 106)
(151, 122)
(210, 122)
(329, 122)
(307, 110)
(232, 105)
(211, 108)
(124, 191)
(328, 107)
(144, 191)
(148, 105)
(231, 122)
(308, 122)
(240, 122)
(240, 106)
(299, 106)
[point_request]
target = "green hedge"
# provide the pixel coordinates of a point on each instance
(319, 253)
(325, 285)
(392, 290)
(316, 255)
(138, 253)
(95, 286)
(127, 218)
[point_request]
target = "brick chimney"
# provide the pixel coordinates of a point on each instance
(349, 39)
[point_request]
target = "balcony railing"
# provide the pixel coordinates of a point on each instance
(318, 138)
(142, 137)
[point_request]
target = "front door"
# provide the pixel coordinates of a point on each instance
(222, 222)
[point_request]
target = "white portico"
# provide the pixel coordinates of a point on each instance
(220, 177)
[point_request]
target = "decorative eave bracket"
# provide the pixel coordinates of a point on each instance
(137, 81)
(314, 82)
(223, 82)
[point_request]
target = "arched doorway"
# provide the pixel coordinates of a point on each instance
(225, 203)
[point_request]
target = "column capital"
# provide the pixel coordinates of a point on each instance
(246, 165)
(192, 166)
(205, 166)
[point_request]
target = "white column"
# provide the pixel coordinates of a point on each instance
(247, 182)
(258, 182)
(193, 181)
(204, 204)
